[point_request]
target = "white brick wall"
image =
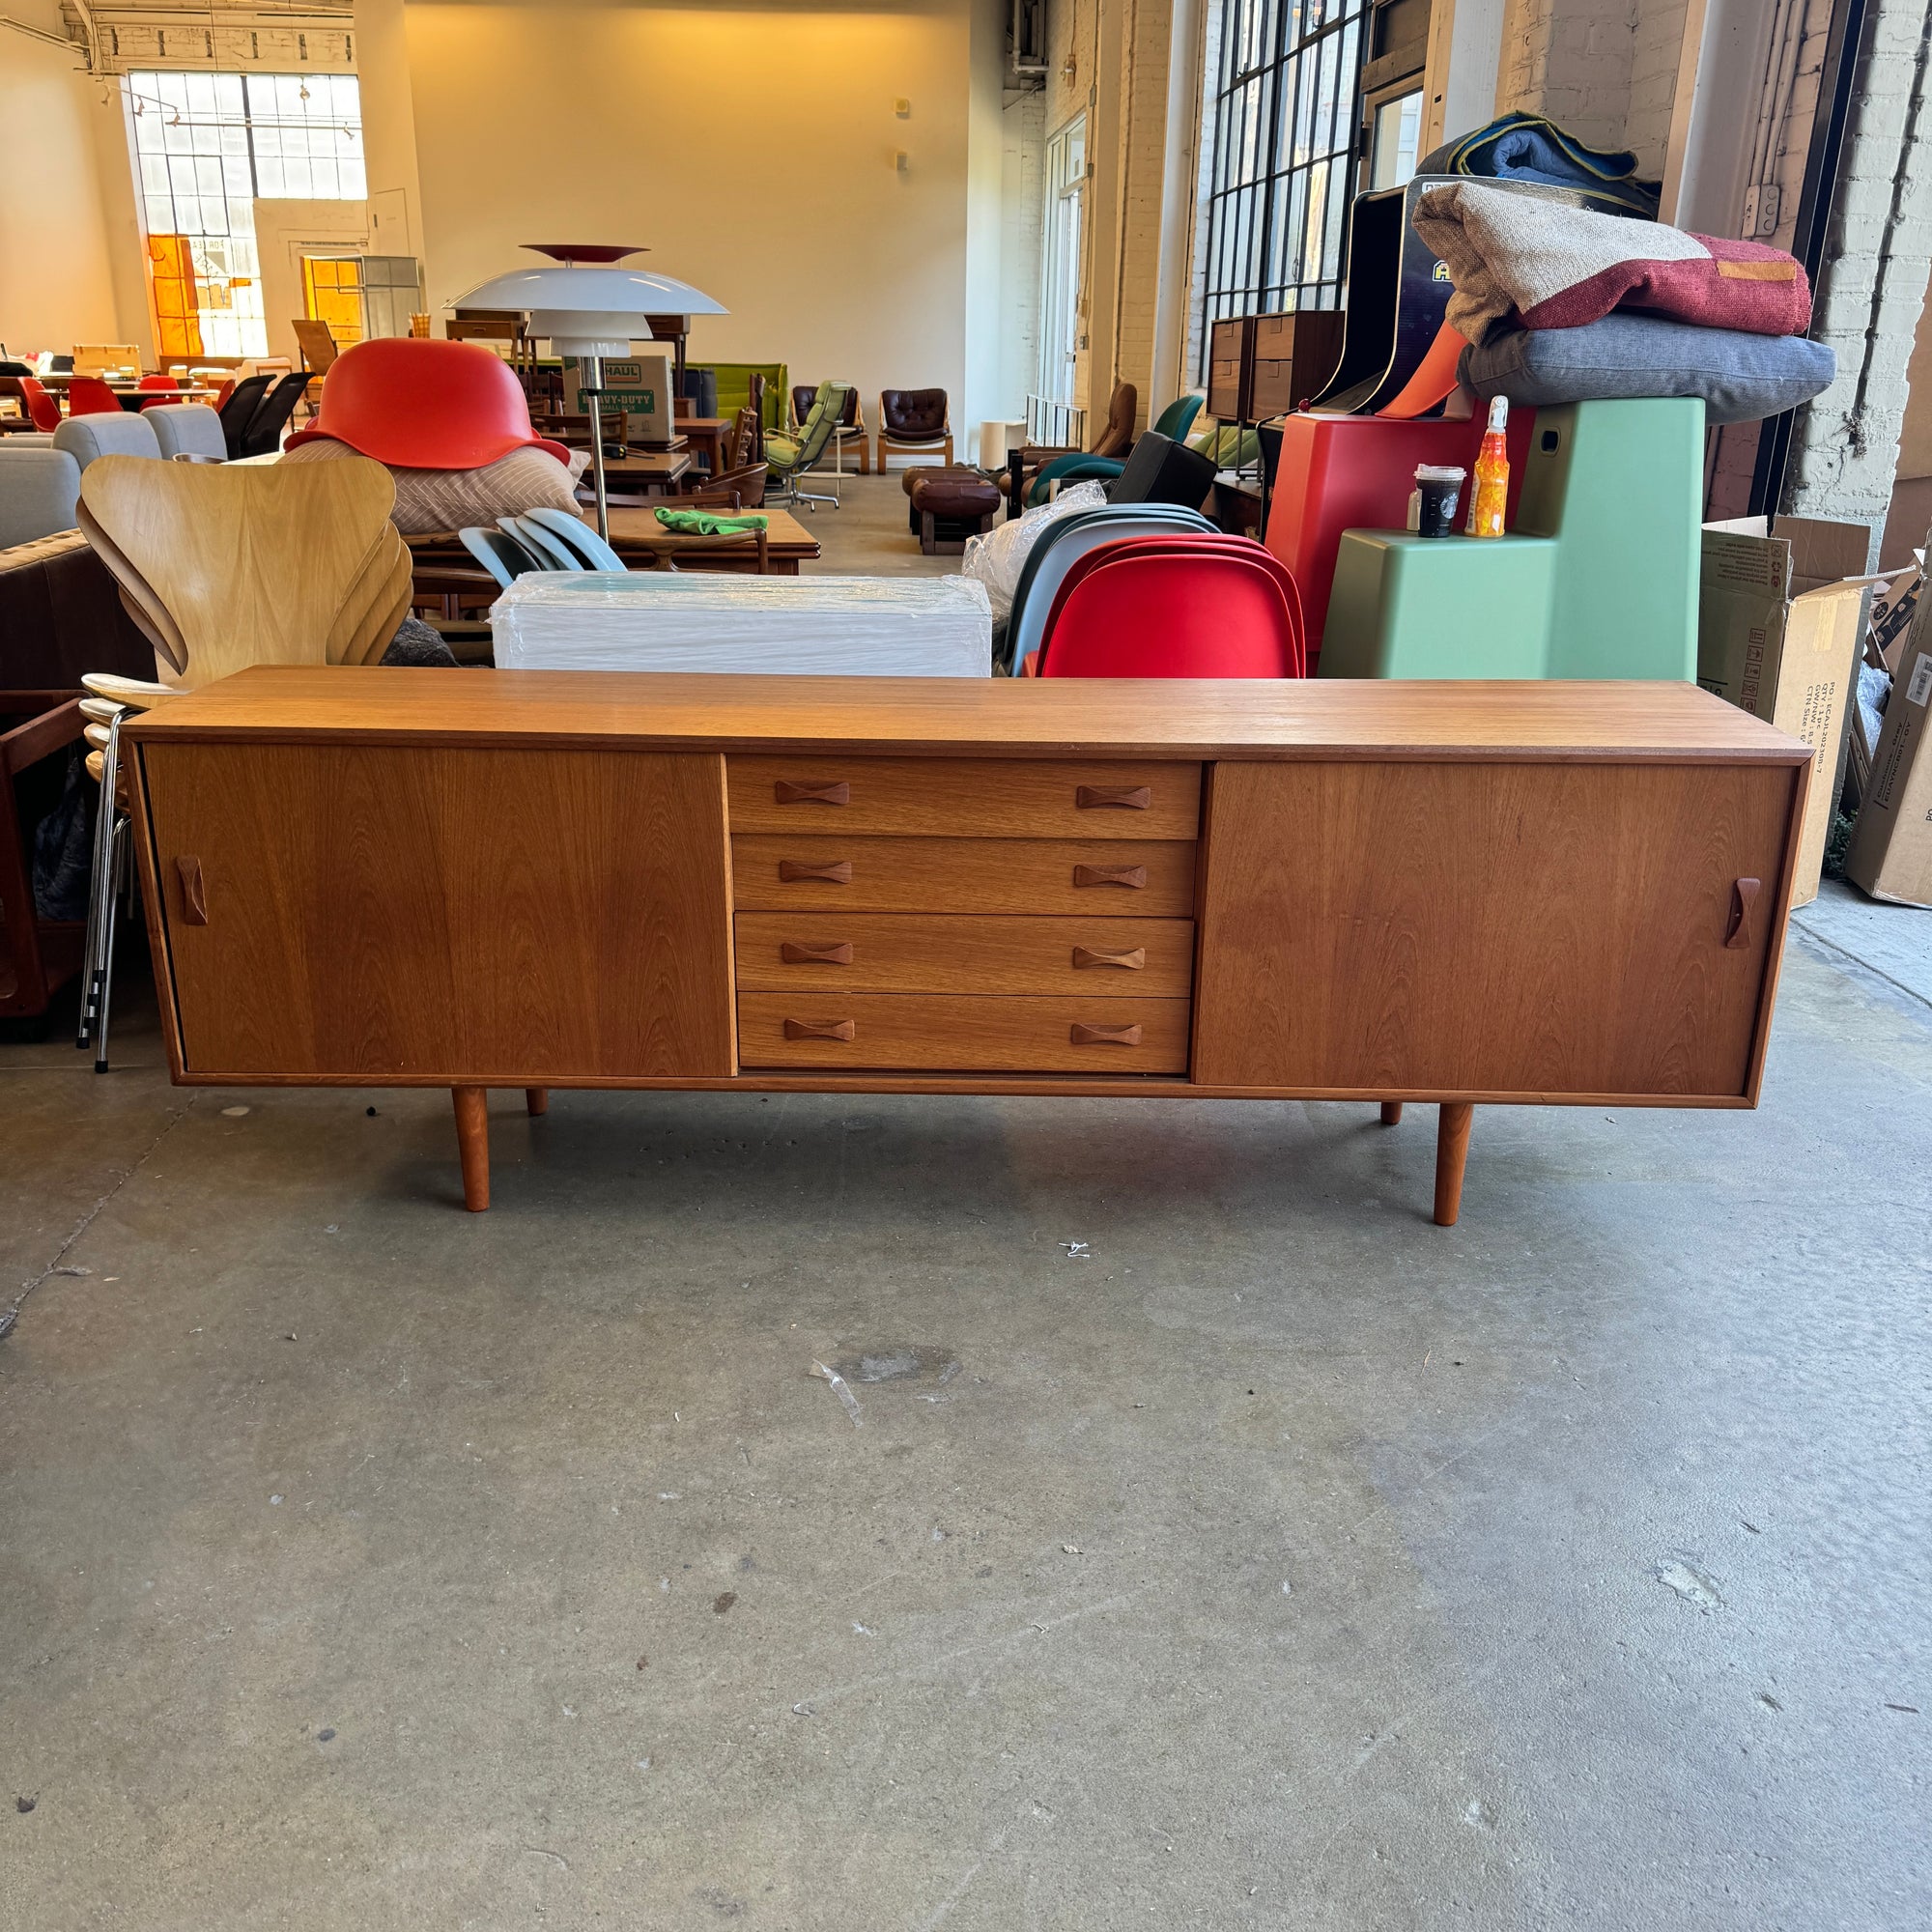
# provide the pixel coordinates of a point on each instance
(1606, 70)
(1023, 122)
(1872, 283)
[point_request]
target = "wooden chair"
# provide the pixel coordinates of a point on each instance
(741, 487)
(317, 344)
(221, 567)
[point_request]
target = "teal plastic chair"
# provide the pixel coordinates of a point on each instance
(1173, 421)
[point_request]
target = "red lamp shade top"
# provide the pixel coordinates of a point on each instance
(586, 253)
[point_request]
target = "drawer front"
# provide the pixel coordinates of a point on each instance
(962, 1034)
(1118, 879)
(905, 953)
(974, 798)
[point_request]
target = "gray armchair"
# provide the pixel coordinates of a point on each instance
(84, 438)
(187, 429)
(37, 491)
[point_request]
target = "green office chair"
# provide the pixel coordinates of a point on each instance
(792, 457)
(1172, 422)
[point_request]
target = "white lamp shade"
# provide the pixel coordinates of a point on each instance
(590, 311)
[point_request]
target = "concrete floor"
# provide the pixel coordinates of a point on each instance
(867, 535)
(1275, 1559)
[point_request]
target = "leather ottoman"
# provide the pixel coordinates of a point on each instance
(949, 505)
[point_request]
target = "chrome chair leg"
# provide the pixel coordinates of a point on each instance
(117, 862)
(93, 964)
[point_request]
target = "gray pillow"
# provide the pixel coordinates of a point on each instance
(1740, 377)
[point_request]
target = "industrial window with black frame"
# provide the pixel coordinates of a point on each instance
(1283, 171)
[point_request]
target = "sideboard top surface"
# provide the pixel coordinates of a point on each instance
(979, 717)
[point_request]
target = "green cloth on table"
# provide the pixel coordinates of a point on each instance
(707, 523)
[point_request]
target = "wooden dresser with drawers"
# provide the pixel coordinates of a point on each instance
(1370, 891)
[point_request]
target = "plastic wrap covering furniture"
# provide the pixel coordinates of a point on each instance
(998, 558)
(700, 621)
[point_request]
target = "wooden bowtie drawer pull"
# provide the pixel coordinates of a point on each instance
(1743, 896)
(1129, 798)
(789, 791)
(819, 1030)
(837, 874)
(195, 895)
(1132, 876)
(1089, 955)
(1105, 1036)
(796, 953)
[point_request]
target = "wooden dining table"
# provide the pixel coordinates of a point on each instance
(787, 541)
(707, 436)
(646, 470)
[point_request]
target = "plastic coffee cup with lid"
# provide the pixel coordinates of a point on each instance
(1439, 490)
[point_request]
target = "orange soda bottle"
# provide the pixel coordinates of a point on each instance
(1489, 497)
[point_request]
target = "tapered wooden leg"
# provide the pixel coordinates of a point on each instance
(537, 1099)
(1391, 1113)
(472, 1141)
(1451, 1150)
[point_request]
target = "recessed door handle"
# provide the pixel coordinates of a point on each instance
(838, 872)
(1129, 798)
(1105, 1036)
(795, 952)
(1134, 877)
(1091, 956)
(789, 791)
(819, 1030)
(1743, 896)
(194, 894)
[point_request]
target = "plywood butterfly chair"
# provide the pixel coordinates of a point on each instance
(220, 567)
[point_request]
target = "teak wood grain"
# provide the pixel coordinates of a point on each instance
(451, 909)
(981, 798)
(961, 875)
(902, 952)
(1323, 719)
(1531, 928)
(1458, 894)
(962, 1032)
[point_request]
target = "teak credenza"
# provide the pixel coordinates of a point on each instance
(1336, 891)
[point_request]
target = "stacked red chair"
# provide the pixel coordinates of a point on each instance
(90, 396)
(1184, 605)
(44, 410)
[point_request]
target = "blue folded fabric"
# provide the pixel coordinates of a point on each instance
(1740, 377)
(1527, 147)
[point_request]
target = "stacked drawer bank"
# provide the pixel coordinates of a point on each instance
(963, 914)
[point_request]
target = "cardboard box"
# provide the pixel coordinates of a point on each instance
(1779, 622)
(638, 384)
(1892, 849)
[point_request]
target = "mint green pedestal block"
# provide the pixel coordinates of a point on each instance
(1598, 578)
(1444, 607)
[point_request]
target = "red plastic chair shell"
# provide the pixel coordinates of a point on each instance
(90, 396)
(1184, 605)
(42, 407)
(418, 404)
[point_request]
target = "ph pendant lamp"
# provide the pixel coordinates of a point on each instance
(590, 308)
